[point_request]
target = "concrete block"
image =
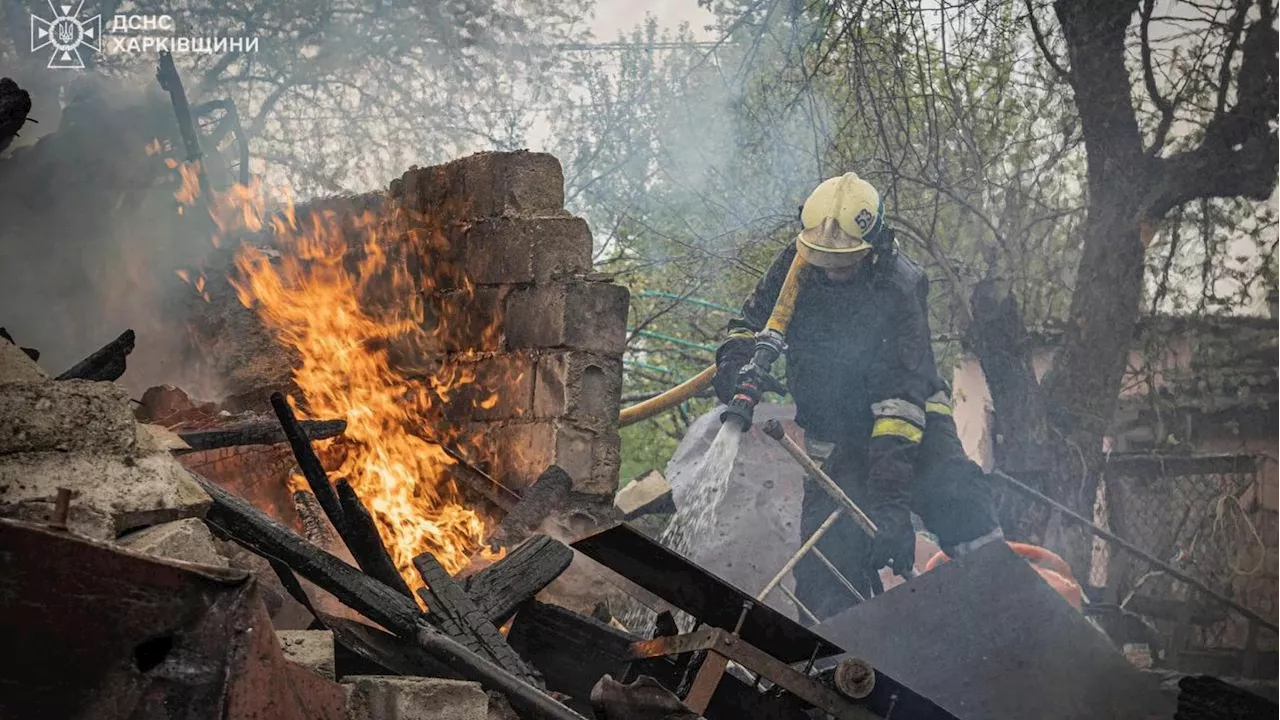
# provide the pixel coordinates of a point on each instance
(312, 649)
(188, 540)
(646, 494)
(499, 387)
(378, 697)
(512, 250)
(584, 387)
(110, 495)
(15, 366)
(467, 320)
(579, 315)
(69, 415)
(486, 184)
(526, 449)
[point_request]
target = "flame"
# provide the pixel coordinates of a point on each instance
(346, 293)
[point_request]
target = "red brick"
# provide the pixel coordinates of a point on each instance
(486, 184)
(581, 315)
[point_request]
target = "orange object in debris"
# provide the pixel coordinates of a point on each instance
(1051, 567)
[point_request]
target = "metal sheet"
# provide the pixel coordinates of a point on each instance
(986, 638)
(689, 587)
(91, 629)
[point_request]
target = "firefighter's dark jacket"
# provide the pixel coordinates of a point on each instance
(858, 360)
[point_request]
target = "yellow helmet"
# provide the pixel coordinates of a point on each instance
(840, 218)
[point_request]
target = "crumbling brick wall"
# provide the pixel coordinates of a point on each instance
(517, 259)
(563, 328)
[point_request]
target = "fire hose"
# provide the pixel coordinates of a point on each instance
(769, 346)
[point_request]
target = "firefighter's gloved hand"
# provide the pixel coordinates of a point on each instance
(732, 355)
(895, 542)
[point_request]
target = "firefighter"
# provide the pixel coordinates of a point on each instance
(875, 414)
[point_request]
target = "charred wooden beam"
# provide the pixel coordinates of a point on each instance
(360, 533)
(258, 433)
(308, 463)
(480, 481)
(500, 588)
(252, 528)
(390, 653)
(247, 525)
(108, 363)
(548, 492)
(449, 605)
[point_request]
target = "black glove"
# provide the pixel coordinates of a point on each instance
(732, 355)
(895, 543)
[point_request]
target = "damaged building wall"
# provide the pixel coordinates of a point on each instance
(563, 328)
(525, 314)
(1196, 387)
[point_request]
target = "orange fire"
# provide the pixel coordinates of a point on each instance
(361, 298)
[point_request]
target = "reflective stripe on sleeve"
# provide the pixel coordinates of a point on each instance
(896, 427)
(938, 404)
(899, 408)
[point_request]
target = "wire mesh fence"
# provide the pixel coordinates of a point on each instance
(1204, 516)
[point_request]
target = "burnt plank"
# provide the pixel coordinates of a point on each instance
(545, 495)
(254, 529)
(107, 363)
(360, 533)
(257, 433)
(500, 588)
(446, 599)
(308, 463)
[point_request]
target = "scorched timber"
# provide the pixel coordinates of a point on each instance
(258, 433)
(308, 463)
(449, 605)
(360, 534)
(548, 493)
(253, 529)
(108, 363)
(499, 589)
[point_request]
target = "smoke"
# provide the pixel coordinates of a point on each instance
(92, 236)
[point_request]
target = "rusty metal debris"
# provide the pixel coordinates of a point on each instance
(152, 638)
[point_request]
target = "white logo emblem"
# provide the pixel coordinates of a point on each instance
(67, 33)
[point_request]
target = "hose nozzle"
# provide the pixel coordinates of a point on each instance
(754, 380)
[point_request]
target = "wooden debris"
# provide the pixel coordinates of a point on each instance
(499, 589)
(360, 533)
(308, 463)
(549, 492)
(259, 433)
(254, 529)
(108, 363)
(454, 613)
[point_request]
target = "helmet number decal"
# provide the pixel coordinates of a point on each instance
(864, 219)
